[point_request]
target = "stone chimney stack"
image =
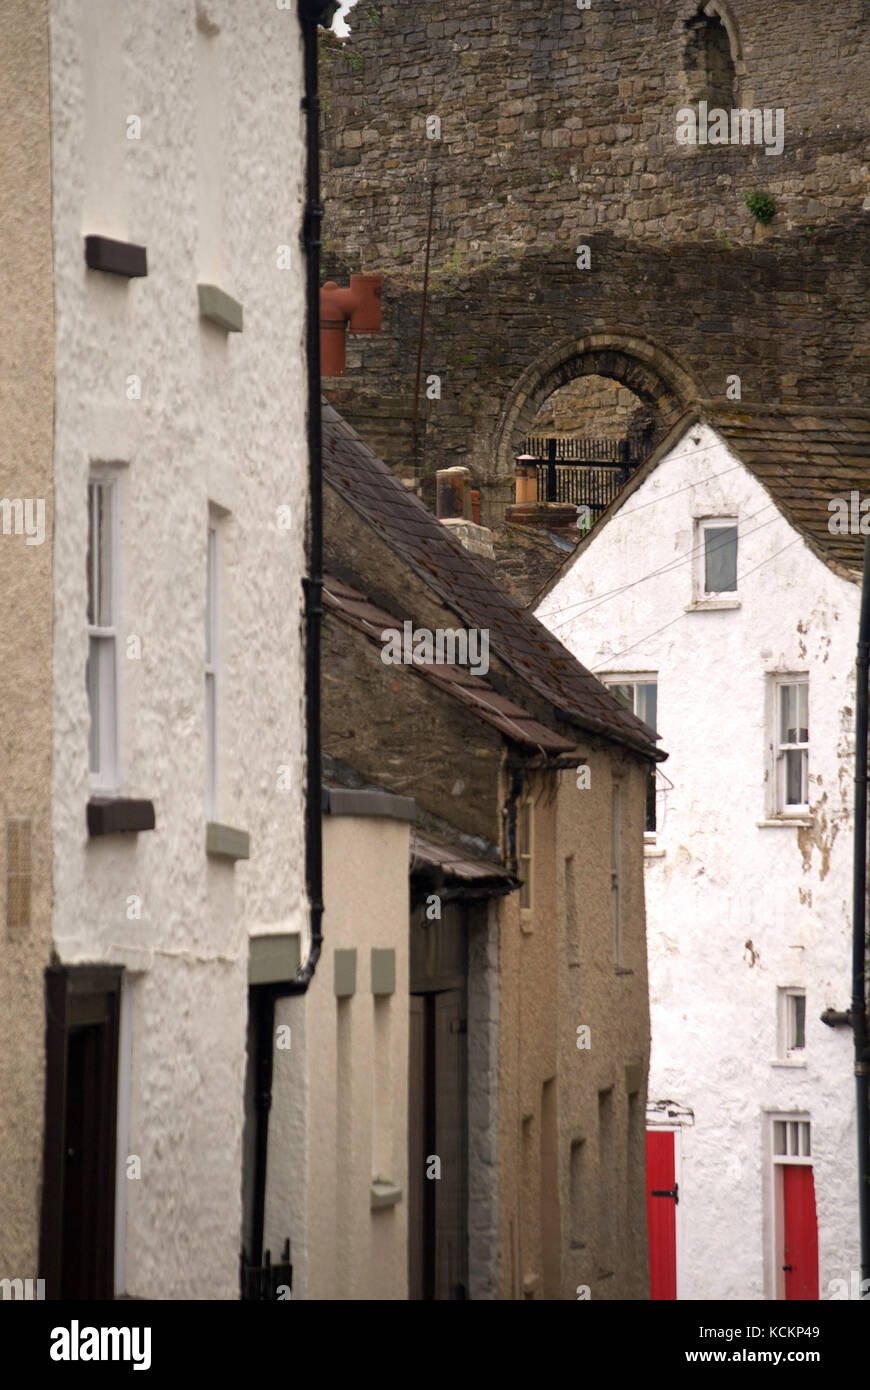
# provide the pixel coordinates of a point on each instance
(453, 504)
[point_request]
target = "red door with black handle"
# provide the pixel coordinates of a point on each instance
(662, 1197)
(801, 1242)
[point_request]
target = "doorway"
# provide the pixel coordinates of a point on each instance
(438, 1106)
(662, 1197)
(795, 1222)
(77, 1255)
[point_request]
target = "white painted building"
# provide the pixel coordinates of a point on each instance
(179, 518)
(714, 595)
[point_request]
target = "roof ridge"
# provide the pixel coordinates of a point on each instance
(517, 636)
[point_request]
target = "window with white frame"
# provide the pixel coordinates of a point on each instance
(791, 1024)
(791, 1140)
(640, 695)
(211, 671)
(524, 853)
(716, 558)
(791, 745)
(102, 665)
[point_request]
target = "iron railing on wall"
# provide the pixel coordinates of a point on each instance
(584, 472)
(593, 449)
(260, 1283)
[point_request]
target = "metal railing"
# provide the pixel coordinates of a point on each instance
(583, 472)
(260, 1283)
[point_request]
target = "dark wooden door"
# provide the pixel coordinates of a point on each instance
(78, 1206)
(417, 1092)
(451, 1143)
(438, 1108)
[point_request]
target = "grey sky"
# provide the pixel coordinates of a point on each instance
(338, 24)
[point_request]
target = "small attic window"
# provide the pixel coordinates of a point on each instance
(708, 64)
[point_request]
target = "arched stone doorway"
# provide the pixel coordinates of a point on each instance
(652, 375)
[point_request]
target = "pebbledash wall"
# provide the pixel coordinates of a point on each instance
(26, 411)
(735, 910)
(557, 129)
(571, 1105)
(212, 187)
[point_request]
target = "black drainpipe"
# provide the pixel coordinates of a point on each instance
(312, 13)
(859, 924)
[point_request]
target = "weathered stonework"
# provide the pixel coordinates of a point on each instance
(592, 407)
(557, 129)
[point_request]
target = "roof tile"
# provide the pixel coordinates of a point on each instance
(515, 634)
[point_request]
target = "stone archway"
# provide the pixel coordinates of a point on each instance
(653, 376)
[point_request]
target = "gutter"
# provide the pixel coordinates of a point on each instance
(859, 924)
(312, 13)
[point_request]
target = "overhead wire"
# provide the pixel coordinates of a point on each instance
(613, 655)
(595, 600)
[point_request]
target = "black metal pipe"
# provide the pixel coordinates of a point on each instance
(422, 320)
(263, 1063)
(311, 14)
(859, 923)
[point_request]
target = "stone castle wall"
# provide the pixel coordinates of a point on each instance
(558, 129)
(556, 122)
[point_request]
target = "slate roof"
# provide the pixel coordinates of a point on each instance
(805, 458)
(516, 636)
(476, 693)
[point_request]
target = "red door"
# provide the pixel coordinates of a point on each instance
(801, 1262)
(661, 1213)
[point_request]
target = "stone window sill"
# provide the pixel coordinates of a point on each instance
(384, 1194)
(225, 842)
(117, 815)
(711, 605)
(220, 308)
(791, 1062)
(784, 821)
(651, 852)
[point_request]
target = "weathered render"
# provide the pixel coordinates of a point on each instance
(742, 902)
(176, 128)
(558, 1028)
(27, 352)
(339, 1117)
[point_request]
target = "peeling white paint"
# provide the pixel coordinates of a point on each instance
(735, 909)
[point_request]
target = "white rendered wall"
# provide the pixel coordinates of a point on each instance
(221, 420)
(353, 1067)
(735, 910)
